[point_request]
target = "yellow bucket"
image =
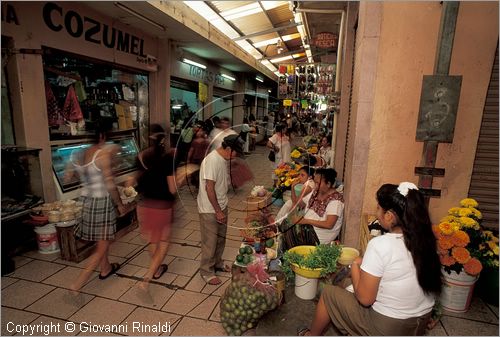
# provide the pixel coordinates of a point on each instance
(305, 272)
(348, 255)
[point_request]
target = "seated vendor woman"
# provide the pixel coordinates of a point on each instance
(324, 209)
(301, 187)
(397, 280)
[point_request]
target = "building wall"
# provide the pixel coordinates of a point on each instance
(400, 39)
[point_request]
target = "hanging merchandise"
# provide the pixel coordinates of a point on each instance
(80, 91)
(282, 69)
(71, 109)
(53, 112)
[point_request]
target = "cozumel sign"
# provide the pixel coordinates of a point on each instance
(91, 30)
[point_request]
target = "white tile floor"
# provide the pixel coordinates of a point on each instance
(36, 292)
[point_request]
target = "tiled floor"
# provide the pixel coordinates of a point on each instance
(35, 295)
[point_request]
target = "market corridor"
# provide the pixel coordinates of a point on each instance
(35, 294)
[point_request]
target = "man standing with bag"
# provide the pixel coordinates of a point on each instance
(212, 206)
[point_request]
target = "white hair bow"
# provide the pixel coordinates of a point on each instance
(404, 187)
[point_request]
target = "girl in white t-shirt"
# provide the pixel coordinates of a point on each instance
(396, 281)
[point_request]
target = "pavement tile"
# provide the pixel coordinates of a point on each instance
(123, 249)
(35, 254)
(127, 237)
(183, 302)
(103, 311)
(167, 278)
(215, 316)
(141, 260)
(222, 289)
(37, 270)
(16, 317)
(194, 225)
(183, 251)
(181, 281)
(7, 281)
(205, 308)
(132, 271)
(195, 236)
(438, 330)
(21, 260)
(180, 233)
(64, 277)
(462, 327)
(138, 240)
(22, 293)
(113, 287)
(189, 326)
(196, 284)
(494, 309)
(59, 304)
(145, 319)
(158, 296)
(181, 266)
(57, 327)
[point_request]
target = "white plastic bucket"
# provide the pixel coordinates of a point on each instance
(46, 236)
(457, 291)
(305, 288)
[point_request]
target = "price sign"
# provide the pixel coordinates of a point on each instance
(287, 102)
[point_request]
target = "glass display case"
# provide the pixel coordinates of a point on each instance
(62, 156)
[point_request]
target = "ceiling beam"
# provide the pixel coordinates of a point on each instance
(267, 31)
(288, 53)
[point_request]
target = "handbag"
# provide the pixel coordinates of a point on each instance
(272, 156)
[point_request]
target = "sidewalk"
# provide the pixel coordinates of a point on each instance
(35, 293)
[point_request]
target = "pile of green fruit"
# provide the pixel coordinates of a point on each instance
(243, 305)
(245, 255)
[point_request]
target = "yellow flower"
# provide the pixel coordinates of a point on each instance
(464, 212)
(454, 211)
(288, 182)
(449, 219)
(476, 213)
(493, 246)
(468, 222)
(446, 228)
(295, 154)
(468, 202)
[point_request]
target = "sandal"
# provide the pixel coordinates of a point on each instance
(114, 269)
(212, 280)
(303, 331)
(162, 269)
(225, 269)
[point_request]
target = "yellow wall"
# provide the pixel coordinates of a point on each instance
(402, 37)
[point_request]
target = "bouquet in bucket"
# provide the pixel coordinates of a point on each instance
(249, 296)
(286, 173)
(462, 244)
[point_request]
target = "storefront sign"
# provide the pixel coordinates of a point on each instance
(9, 14)
(287, 102)
(91, 30)
(205, 75)
(325, 40)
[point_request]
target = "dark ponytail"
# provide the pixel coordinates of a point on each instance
(413, 218)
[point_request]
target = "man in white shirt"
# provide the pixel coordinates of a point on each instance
(212, 206)
(220, 132)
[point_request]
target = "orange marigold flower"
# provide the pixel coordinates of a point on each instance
(460, 239)
(473, 267)
(442, 251)
(446, 228)
(444, 242)
(436, 230)
(460, 254)
(447, 260)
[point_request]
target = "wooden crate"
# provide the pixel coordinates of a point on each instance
(256, 203)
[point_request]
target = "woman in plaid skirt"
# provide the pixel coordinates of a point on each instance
(101, 204)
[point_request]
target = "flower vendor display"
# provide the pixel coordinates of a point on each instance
(464, 249)
(286, 173)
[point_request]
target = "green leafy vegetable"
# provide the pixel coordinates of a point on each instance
(325, 256)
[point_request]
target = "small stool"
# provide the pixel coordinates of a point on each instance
(72, 248)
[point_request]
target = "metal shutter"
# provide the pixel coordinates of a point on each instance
(484, 182)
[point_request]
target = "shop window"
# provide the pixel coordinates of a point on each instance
(223, 107)
(7, 124)
(81, 90)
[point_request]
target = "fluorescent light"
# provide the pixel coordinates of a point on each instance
(260, 79)
(273, 4)
(228, 77)
(269, 90)
(139, 15)
(177, 107)
(188, 61)
(276, 39)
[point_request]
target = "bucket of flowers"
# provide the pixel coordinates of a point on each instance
(460, 242)
(286, 174)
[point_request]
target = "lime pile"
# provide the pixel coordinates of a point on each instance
(243, 305)
(245, 255)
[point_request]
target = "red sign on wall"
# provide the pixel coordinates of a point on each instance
(325, 40)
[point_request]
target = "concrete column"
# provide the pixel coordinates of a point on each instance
(29, 113)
